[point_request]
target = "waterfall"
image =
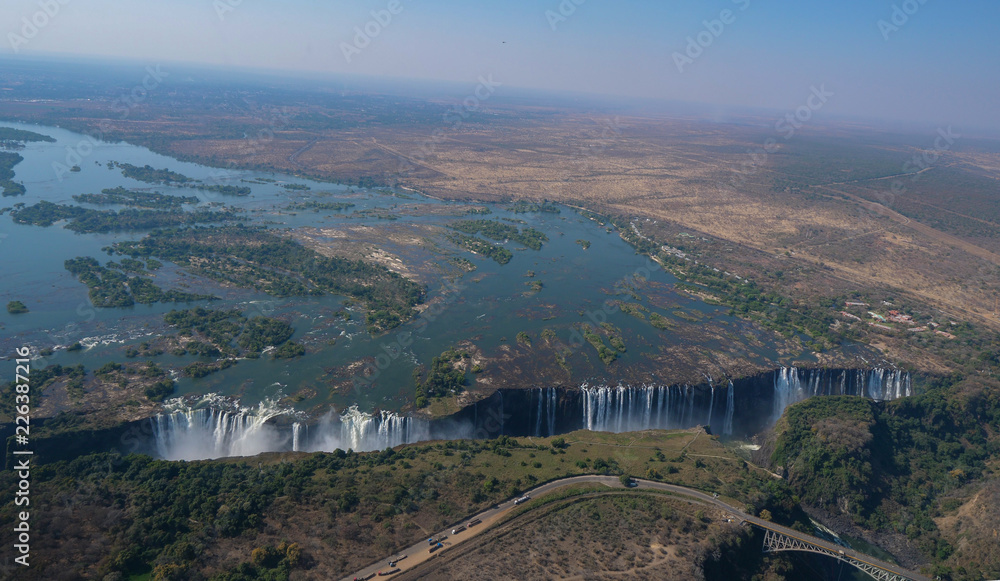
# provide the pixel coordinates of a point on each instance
(362, 431)
(711, 404)
(191, 433)
(545, 411)
(216, 427)
(792, 385)
(727, 427)
(538, 413)
(553, 397)
(297, 437)
(625, 409)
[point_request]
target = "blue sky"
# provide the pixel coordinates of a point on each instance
(940, 66)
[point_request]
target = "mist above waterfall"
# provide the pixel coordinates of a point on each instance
(211, 432)
(215, 428)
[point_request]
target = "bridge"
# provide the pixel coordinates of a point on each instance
(775, 542)
(412, 562)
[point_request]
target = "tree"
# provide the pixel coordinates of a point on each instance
(765, 514)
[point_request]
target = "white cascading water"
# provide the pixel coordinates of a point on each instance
(625, 409)
(216, 428)
(877, 384)
(362, 431)
(711, 404)
(297, 429)
(194, 433)
(727, 427)
(622, 409)
(545, 412)
(787, 390)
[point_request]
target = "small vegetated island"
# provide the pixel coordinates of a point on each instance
(498, 231)
(253, 257)
(124, 197)
(525, 207)
(10, 137)
(151, 175)
(7, 162)
(321, 206)
(16, 308)
(446, 377)
(227, 334)
(87, 220)
(124, 284)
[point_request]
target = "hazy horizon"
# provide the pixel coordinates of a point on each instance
(926, 65)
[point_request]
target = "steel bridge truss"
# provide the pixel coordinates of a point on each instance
(774, 542)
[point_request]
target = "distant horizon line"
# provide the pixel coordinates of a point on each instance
(639, 105)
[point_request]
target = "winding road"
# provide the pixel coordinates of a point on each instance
(420, 553)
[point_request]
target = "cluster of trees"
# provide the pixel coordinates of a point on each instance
(240, 191)
(261, 332)
(377, 213)
(443, 379)
(525, 207)
(109, 287)
(289, 350)
(745, 299)
(7, 162)
(500, 232)
(891, 466)
(229, 332)
(606, 354)
(321, 206)
(125, 197)
(16, 308)
(768, 308)
(86, 220)
(498, 253)
(255, 258)
(171, 514)
(149, 174)
(158, 384)
(10, 135)
(40, 378)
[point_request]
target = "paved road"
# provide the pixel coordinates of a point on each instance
(418, 553)
(783, 530)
